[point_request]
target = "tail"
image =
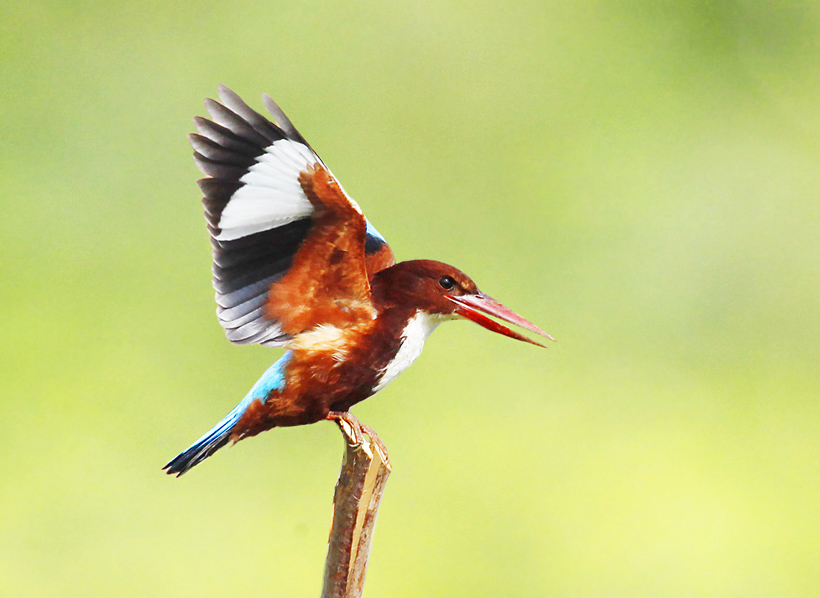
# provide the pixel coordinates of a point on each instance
(206, 446)
(220, 434)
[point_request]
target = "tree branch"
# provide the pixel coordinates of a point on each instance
(359, 491)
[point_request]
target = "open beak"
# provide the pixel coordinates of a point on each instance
(472, 306)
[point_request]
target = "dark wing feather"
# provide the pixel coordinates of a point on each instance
(257, 211)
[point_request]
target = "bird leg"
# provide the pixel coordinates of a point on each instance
(377, 444)
(349, 425)
(355, 430)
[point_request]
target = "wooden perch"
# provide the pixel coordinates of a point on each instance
(355, 505)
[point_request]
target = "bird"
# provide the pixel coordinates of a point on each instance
(297, 265)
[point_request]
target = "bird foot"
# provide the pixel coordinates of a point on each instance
(355, 431)
(349, 425)
(376, 440)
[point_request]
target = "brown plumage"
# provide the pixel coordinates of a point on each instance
(296, 264)
(327, 283)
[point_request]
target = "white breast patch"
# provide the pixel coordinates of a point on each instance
(413, 336)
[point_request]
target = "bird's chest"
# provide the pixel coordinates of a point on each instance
(411, 343)
(347, 371)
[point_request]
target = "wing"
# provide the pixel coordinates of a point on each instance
(327, 282)
(259, 213)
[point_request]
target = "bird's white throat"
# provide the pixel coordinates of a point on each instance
(416, 331)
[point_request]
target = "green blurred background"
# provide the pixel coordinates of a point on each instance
(639, 178)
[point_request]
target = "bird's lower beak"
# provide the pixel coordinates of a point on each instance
(472, 306)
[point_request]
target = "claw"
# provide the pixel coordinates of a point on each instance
(355, 431)
(377, 443)
(349, 425)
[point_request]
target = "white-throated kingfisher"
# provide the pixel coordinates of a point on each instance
(297, 265)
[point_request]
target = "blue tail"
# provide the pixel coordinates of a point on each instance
(220, 434)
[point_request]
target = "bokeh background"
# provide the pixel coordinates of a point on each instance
(639, 178)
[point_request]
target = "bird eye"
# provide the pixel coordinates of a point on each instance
(446, 283)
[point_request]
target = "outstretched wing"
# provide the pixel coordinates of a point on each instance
(259, 177)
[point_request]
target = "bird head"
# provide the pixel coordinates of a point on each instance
(440, 289)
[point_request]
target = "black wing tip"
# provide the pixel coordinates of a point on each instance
(282, 121)
(230, 114)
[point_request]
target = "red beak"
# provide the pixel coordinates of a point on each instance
(471, 306)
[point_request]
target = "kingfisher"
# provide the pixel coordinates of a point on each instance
(297, 265)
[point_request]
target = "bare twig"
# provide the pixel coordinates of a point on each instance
(355, 505)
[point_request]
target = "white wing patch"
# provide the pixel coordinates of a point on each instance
(256, 210)
(271, 195)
